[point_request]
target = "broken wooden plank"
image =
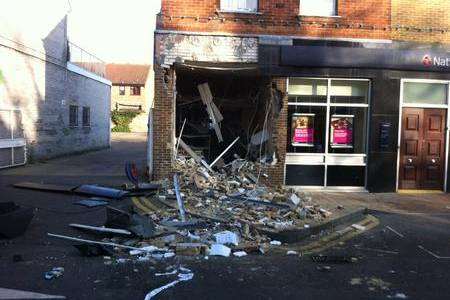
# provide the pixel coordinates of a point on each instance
(100, 191)
(69, 238)
(216, 111)
(213, 112)
(45, 187)
(101, 229)
(194, 155)
(179, 137)
(205, 92)
(207, 98)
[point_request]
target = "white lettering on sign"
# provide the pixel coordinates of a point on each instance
(441, 62)
(436, 61)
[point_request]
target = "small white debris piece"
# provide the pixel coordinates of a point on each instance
(169, 254)
(359, 227)
(306, 226)
(167, 274)
(291, 252)
(240, 253)
(294, 200)
(193, 237)
(275, 243)
(398, 296)
(181, 277)
(185, 270)
(325, 212)
(227, 237)
(143, 250)
(219, 250)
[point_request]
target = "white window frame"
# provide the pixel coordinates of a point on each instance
(332, 159)
(13, 142)
(304, 12)
(239, 6)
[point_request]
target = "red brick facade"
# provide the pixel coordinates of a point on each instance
(276, 173)
(163, 124)
(357, 19)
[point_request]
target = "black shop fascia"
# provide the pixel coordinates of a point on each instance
(347, 107)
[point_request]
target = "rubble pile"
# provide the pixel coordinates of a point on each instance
(217, 209)
(223, 212)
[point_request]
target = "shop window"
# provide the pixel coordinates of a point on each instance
(327, 130)
(308, 90)
(325, 8)
(135, 90)
(86, 116)
(425, 93)
(121, 90)
(344, 91)
(307, 129)
(73, 116)
(348, 130)
(239, 5)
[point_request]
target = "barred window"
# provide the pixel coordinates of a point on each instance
(86, 116)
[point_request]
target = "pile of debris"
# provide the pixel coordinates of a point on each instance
(202, 212)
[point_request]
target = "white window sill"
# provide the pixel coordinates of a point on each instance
(241, 12)
(318, 16)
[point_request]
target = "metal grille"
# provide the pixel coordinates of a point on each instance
(12, 141)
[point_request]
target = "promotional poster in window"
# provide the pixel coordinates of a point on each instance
(341, 131)
(303, 130)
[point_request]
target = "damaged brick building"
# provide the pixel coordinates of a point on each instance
(327, 94)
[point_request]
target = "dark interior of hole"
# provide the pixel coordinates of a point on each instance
(241, 98)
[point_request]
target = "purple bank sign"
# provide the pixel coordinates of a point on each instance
(373, 58)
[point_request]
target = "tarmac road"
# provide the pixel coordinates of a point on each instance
(390, 262)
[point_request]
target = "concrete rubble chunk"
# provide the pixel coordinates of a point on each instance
(219, 250)
(227, 237)
(240, 253)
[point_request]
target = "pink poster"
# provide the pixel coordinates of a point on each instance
(342, 131)
(303, 130)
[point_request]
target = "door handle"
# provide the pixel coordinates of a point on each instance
(433, 161)
(410, 160)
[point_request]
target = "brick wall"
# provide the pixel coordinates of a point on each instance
(276, 173)
(357, 19)
(163, 122)
(426, 21)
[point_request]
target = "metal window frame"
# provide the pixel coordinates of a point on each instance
(402, 105)
(326, 154)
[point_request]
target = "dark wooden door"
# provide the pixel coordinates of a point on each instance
(422, 150)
